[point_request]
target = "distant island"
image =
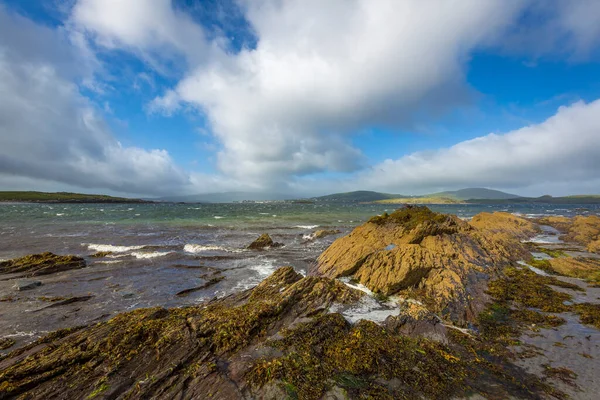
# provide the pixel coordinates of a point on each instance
(63, 197)
(463, 196)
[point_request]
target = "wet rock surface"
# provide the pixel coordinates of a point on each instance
(273, 341)
(41, 264)
(21, 285)
(263, 242)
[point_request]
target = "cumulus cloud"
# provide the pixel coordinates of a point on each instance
(323, 70)
(553, 28)
(285, 109)
(50, 132)
(561, 152)
(319, 72)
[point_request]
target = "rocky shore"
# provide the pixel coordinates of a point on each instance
(446, 308)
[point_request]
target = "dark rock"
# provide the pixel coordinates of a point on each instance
(67, 301)
(101, 254)
(264, 241)
(208, 284)
(26, 285)
(41, 264)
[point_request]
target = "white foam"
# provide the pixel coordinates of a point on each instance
(153, 254)
(60, 215)
(346, 281)
(261, 271)
(109, 262)
(218, 217)
(306, 226)
(199, 248)
(545, 239)
(366, 308)
(110, 247)
(26, 334)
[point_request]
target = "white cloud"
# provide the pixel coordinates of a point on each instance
(49, 131)
(559, 153)
(323, 70)
(557, 28)
(287, 109)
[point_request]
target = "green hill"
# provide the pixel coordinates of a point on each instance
(475, 193)
(62, 197)
(358, 196)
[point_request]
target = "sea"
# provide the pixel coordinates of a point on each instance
(160, 249)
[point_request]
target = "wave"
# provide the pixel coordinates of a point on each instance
(306, 226)
(199, 248)
(154, 254)
(108, 262)
(261, 271)
(112, 248)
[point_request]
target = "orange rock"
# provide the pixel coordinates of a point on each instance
(442, 257)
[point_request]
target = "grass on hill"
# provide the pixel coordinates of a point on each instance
(58, 197)
(420, 200)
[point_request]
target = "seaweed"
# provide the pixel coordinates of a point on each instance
(410, 217)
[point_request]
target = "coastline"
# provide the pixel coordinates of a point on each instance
(219, 275)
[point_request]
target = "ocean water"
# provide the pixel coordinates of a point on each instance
(161, 249)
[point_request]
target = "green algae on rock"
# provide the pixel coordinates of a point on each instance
(41, 264)
(159, 353)
(273, 341)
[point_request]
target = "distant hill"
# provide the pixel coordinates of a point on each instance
(577, 199)
(62, 197)
(450, 197)
(420, 200)
(475, 193)
(227, 197)
(358, 196)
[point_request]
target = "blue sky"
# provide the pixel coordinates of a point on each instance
(160, 97)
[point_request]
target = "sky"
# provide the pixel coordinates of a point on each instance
(159, 98)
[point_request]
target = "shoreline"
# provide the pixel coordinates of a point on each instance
(377, 307)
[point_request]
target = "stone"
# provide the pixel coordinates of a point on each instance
(26, 285)
(325, 232)
(6, 343)
(41, 264)
(264, 241)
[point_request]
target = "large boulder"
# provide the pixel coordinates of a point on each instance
(442, 259)
(41, 264)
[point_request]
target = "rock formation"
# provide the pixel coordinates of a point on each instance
(443, 260)
(264, 241)
(271, 342)
(585, 231)
(582, 230)
(325, 232)
(41, 264)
